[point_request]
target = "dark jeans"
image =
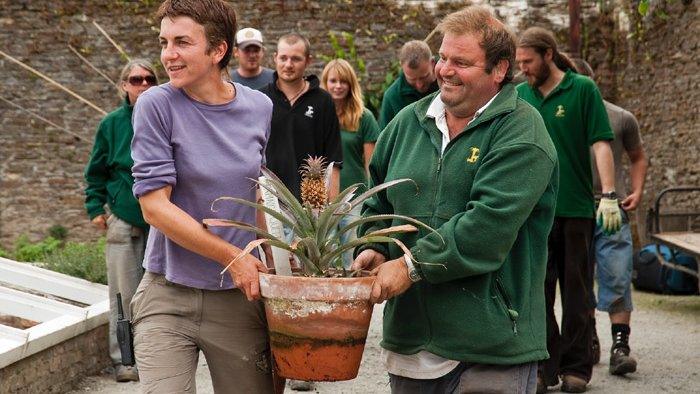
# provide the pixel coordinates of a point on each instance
(469, 378)
(569, 263)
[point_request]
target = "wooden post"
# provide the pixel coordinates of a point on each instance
(575, 28)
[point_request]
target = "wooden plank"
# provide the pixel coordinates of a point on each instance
(688, 242)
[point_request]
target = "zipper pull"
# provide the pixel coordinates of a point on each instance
(439, 163)
(513, 317)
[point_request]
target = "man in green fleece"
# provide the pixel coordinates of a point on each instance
(465, 308)
(416, 80)
(109, 182)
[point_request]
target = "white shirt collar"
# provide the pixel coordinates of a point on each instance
(436, 110)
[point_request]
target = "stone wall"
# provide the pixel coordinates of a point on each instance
(41, 166)
(654, 75)
(58, 368)
(659, 81)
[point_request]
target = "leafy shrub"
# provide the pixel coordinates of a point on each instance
(82, 260)
(59, 232)
(4, 253)
(25, 250)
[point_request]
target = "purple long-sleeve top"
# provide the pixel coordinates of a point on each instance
(204, 152)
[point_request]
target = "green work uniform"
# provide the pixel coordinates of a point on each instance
(353, 142)
(490, 195)
(108, 173)
(576, 118)
(399, 94)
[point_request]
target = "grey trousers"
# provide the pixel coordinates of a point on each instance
(469, 378)
(124, 254)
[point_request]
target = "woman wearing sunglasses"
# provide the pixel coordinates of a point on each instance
(109, 182)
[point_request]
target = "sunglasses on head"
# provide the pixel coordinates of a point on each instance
(137, 80)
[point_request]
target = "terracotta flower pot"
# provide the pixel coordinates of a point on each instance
(318, 326)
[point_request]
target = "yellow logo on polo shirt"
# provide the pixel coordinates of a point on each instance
(560, 111)
(474, 155)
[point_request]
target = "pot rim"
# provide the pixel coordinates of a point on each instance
(316, 289)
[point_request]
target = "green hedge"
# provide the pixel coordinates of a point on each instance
(80, 259)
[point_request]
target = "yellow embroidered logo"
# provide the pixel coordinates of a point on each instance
(560, 111)
(474, 155)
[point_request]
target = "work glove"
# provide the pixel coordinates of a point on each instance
(608, 216)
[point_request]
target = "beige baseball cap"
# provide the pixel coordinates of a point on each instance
(249, 36)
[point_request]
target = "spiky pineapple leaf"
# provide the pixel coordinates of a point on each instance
(286, 197)
(246, 227)
(362, 241)
(277, 215)
(382, 217)
(376, 189)
(402, 228)
(248, 248)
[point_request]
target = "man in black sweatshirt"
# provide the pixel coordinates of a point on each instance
(304, 121)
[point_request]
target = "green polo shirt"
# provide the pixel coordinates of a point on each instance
(397, 96)
(575, 117)
(354, 141)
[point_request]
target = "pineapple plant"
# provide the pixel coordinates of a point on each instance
(313, 185)
(318, 321)
(315, 220)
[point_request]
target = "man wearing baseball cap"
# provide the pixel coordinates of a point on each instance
(249, 51)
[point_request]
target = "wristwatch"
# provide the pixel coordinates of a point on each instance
(610, 195)
(413, 274)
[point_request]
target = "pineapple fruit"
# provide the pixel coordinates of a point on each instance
(313, 185)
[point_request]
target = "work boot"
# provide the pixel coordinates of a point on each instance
(573, 384)
(621, 362)
(123, 373)
(301, 385)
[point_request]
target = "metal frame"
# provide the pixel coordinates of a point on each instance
(661, 238)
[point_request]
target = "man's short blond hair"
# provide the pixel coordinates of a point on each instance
(414, 53)
(497, 41)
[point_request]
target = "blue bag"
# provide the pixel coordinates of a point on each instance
(648, 273)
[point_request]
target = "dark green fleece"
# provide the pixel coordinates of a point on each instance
(491, 196)
(108, 173)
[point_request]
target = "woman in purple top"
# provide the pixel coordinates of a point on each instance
(198, 138)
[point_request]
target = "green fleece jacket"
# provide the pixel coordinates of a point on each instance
(398, 95)
(491, 197)
(108, 173)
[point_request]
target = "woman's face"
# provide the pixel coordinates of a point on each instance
(338, 88)
(137, 82)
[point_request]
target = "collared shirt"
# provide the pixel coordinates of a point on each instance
(437, 112)
(424, 364)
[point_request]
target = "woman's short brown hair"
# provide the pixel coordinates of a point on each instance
(217, 17)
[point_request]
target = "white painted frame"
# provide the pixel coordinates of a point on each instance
(59, 321)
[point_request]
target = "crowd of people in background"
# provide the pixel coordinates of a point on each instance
(523, 183)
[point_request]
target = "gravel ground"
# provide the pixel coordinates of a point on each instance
(665, 340)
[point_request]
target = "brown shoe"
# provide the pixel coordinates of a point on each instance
(125, 374)
(541, 386)
(573, 384)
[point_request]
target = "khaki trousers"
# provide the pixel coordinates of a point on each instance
(124, 254)
(172, 323)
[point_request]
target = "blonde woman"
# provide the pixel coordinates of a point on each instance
(358, 130)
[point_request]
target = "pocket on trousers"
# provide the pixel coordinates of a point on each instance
(140, 294)
(118, 231)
